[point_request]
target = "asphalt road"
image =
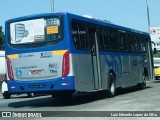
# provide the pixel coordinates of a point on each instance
(130, 99)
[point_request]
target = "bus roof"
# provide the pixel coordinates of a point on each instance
(87, 19)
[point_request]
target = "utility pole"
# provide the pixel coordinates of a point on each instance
(52, 5)
(150, 56)
(148, 17)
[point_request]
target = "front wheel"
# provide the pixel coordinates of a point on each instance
(111, 85)
(6, 95)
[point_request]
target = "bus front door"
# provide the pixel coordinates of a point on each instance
(95, 57)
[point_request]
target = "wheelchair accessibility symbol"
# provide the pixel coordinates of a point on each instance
(18, 73)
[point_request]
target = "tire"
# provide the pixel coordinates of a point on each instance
(6, 95)
(143, 84)
(111, 85)
(156, 78)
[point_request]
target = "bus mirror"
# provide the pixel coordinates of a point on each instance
(155, 51)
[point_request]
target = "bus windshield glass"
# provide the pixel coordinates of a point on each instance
(36, 31)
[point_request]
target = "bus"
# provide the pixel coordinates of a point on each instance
(62, 54)
(156, 68)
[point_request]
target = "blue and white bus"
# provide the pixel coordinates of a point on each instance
(63, 53)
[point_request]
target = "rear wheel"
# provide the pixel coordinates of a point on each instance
(145, 79)
(6, 95)
(111, 85)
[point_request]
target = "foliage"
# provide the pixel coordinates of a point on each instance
(157, 54)
(1, 39)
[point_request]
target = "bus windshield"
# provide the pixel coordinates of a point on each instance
(36, 31)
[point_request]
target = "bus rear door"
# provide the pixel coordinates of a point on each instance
(95, 57)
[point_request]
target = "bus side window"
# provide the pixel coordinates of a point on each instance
(123, 41)
(83, 36)
(133, 45)
(79, 33)
(100, 39)
(107, 43)
(145, 48)
(75, 35)
(144, 41)
(116, 40)
(142, 44)
(111, 38)
(130, 44)
(136, 43)
(139, 43)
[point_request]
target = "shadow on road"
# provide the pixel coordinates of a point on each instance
(156, 81)
(48, 101)
(81, 98)
(130, 90)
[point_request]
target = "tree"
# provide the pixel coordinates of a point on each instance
(157, 54)
(1, 39)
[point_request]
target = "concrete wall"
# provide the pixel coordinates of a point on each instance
(2, 66)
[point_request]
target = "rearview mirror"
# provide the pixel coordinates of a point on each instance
(155, 51)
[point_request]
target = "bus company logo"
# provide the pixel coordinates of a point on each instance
(6, 114)
(46, 55)
(75, 32)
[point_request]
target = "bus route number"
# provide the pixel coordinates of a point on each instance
(52, 29)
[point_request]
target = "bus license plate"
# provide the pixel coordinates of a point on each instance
(36, 72)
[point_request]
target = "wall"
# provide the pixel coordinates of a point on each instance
(2, 66)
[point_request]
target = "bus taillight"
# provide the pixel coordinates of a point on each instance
(65, 64)
(10, 71)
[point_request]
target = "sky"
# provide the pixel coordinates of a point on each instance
(128, 13)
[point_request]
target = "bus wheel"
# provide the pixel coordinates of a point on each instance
(143, 84)
(156, 78)
(111, 85)
(6, 95)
